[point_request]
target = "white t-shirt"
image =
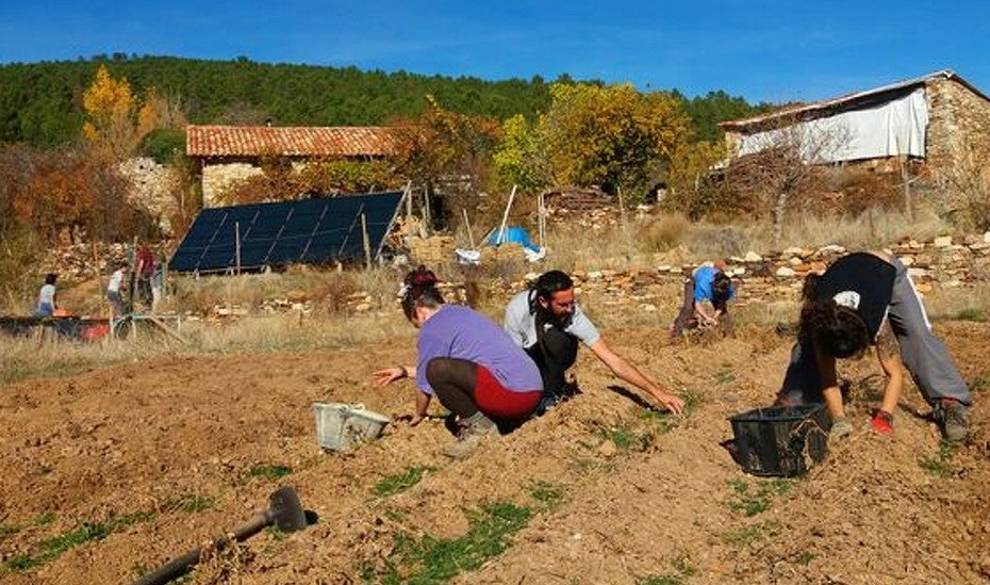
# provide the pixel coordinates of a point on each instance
(116, 279)
(47, 295)
(520, 323)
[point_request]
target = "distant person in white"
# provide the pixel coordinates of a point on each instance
(46, 298)
(547, 323)
(114, 291)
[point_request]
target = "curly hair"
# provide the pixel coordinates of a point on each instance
(420, 290)
(838, 331)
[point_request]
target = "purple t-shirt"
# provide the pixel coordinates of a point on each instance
(459, 332)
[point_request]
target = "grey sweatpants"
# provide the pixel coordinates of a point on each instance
(923, 354)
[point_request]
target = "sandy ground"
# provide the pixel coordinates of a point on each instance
(136, 438)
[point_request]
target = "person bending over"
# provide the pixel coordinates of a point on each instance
(866, 299)
(547, 323)
(468, 362)
(711, 284)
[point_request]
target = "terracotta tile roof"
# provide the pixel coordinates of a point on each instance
(206, 141)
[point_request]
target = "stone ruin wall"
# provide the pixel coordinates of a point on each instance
(958, 125)
(152, 188)
(218, 175)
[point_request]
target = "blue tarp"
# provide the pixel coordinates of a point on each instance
(513, 234)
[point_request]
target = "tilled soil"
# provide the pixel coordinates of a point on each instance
(665, 501)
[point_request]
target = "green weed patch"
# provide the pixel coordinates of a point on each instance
(752, 500)
(52, 548)
(432, 561)
(400, 482)
(940, 464)
(270, 472)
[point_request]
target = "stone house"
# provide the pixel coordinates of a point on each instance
(231, 153)
(934, 121)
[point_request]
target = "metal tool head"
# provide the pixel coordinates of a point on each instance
(285, 510)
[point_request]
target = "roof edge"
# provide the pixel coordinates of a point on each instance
(948, 74)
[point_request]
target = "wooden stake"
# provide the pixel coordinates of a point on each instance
(505, 217)
(622, 206)
(542, 228)
(467, 222)
(426, 205)
(407, 194)
(367, 242)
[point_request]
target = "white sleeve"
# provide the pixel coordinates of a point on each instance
(513, 325)
(582, 328)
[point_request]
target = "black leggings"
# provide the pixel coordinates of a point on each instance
(453, 382)
(554, 356)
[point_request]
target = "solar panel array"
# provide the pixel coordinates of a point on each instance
(309, 231)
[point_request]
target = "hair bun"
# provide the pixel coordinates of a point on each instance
(421, 278)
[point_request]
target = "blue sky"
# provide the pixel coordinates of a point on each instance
(773, 51)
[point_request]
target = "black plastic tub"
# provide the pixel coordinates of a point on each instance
(782, 441)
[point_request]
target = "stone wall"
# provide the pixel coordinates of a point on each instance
(218, 175)
(152, 188)
(959, 124)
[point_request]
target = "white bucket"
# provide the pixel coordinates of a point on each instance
(341, 427)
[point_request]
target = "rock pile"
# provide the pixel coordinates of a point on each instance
(945, 262)
(77, 262)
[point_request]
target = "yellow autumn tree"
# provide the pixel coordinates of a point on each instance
(613, 136)
(159, 111)
(111, 127)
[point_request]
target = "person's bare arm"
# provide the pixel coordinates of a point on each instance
(889, 354)
(702, 314)
(830, 384)
(628, 372)
(394, 374)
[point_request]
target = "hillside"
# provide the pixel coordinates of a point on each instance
(40, 102)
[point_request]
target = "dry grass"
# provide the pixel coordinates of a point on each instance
(672, 239)
(27, 358)
(326, 289)
(964, 304)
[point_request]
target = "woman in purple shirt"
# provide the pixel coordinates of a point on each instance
(469, 363)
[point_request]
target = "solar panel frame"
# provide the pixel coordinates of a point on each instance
(309, 231)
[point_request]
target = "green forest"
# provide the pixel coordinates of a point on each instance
(41, 103)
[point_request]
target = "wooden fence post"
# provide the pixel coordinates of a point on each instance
(367, 242)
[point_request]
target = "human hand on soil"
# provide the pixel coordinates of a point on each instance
(412, 419)
(672, 403)
(840, 429)
(389, 375)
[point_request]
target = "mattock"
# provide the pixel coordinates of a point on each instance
(284, 511)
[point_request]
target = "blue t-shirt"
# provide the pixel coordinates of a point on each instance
(704, 277)
(459, 332)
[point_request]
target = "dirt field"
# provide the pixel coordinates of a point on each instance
(110, 472)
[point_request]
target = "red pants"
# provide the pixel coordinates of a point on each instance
(497, 401)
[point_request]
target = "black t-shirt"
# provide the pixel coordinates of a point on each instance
(863, 282)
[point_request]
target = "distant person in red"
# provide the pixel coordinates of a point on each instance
(144, 270)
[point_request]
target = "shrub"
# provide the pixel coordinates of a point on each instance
(665, 232)
(163, 144)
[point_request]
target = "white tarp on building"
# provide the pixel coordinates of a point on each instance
(891, 129)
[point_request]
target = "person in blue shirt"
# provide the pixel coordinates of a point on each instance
(711, 284)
